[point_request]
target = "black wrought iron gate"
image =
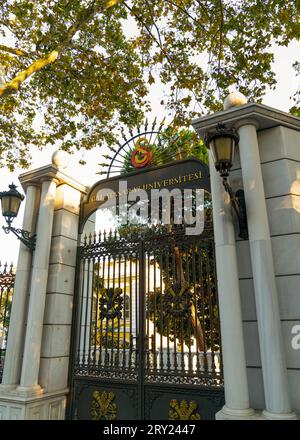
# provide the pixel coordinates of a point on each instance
(147, 342)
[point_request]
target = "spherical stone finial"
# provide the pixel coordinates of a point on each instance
(234, 99)
(60, 159)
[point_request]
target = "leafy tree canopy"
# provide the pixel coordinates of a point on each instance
(86, 65)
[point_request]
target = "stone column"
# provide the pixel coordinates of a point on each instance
(233, 352)
(272, 353)
(33, 337)
(12, 366)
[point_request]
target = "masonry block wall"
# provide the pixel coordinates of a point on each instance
(280, 161)
(60, 289)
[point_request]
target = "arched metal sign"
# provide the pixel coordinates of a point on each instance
(190, 173)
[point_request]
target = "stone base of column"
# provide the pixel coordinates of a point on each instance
(47, 406)
(35, 390)
(4, 388)
(267, 415)
(237, 414)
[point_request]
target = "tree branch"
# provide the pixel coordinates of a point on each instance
(14, 51)
(185, 11)
(84, 17)
(158, 42)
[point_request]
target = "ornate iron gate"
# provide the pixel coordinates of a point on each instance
(147, 339)
(7, 280)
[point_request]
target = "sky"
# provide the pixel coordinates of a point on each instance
(287, 84)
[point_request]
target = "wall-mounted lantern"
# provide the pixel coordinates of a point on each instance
(10, 204)
(222, 142)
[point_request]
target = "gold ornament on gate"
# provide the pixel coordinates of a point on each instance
(102, 407)
(183, 410)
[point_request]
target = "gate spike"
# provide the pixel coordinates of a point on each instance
(146, 124)
(95, 237)
(104, 235)
(85, 239)
(99, 237)
(162, 124)
(123, 134)
(154, 123)
(90, 238)
(119, 144)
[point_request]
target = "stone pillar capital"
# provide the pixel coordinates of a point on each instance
(52, 173)
(49, 179)
(246, 121)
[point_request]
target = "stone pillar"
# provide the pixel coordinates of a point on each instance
(233, 353)
(42, 390)
(33, 338)
(12, 366)
(277, 398)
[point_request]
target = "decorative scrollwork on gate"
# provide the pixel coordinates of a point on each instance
(102, 407)
(111, 303)
(183, 410)
(178, 299)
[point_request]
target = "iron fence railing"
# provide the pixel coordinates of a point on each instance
(7, 280)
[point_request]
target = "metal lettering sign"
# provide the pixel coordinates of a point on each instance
(190, 173)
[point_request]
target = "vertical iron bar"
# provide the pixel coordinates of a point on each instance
(75, 334)
(174, 315)
(141, 373)
(161, 310)
(187, 251)
(210, 310)
(113, 319)
(124, 363)
(137, 305)
(120, 317)
(130, 311)
(148, 357)
(106, 356)
(86, 311)
(196, 305)
(91, 312)
(203, 307)
(155, 312)
(101, 314)
(168, 321)
(96, 311)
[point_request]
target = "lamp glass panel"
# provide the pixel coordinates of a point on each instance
(15, 203)
(213, 148)
(10, 206)
(224, 149)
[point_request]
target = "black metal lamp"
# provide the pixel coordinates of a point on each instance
(222, 143)
(10, 204)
